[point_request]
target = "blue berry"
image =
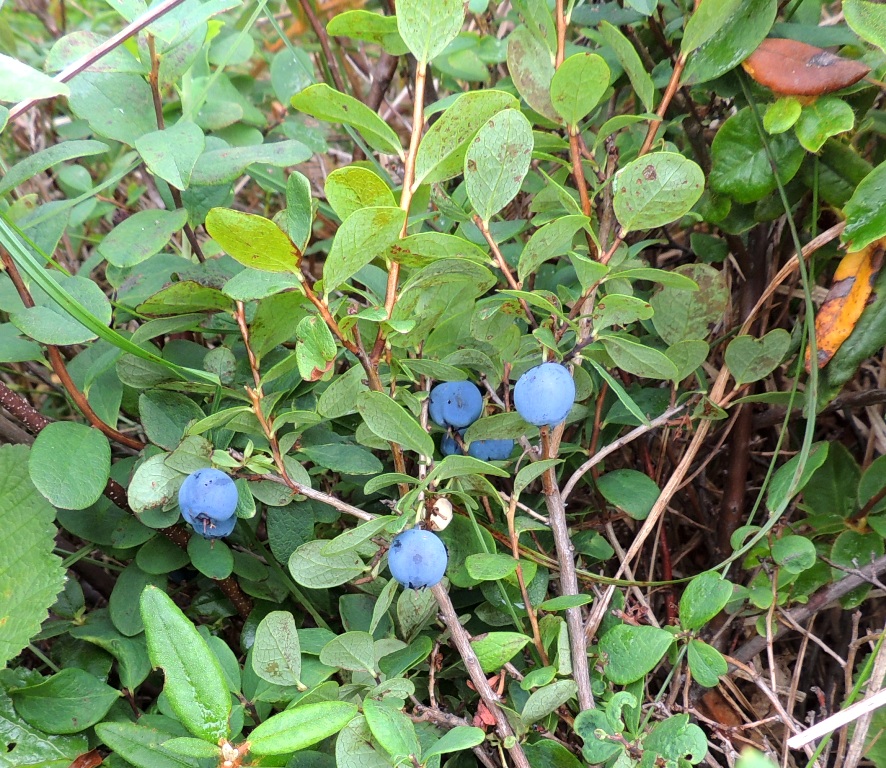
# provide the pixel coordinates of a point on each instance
(455, 404)
(214, 529)
(417, 558)
(544, 394)
(448, 446)
(208, 498)
(491, 450)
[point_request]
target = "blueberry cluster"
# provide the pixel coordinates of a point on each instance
(455, 405)
(208, 500)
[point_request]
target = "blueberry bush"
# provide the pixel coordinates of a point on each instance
(429, 383)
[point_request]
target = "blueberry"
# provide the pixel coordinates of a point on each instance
(448, 446)
(214, 529)
(455, 404)
(491, 450)
(544, 394)
(417, 558)
(208, 499)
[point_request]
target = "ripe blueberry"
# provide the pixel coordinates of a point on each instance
(214, 529)
(491, 450)
(544, 394)
(455, 404)
(448, 446)
(417, 558)
(208, 498)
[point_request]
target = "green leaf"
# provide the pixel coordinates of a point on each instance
(123, 606)
(141, 236)
(677, 740)
(633, 651)
(351, 188)
(49, 323)
(630, 61)
(68, 702)
(546, 753)
(442, 149)
(655, 190)
(223, 166)
(871, 483)
(784, 486)
(741, 167)
(682, 314)
(547, 699)
(253, 240)
(116, 105)
(723, 35)
(630, 491)
(299, 212)
(316, 349)
(327, 104)
(794, 553)
(195, 684)
(311, 568)
(705, 663)
(597, 748)
(142, 746)
(341, 457)
(354, 749)
(154, 484)
(531, 472)
(687, 355)
(782, 114)
(391, 729)
(704, 597)
(276, 652)
(19, 82)
(354, 651)
(867, 19)
(866, 211)
(615, 309)
(577, 87)
(354, 537)
(641, 360)
(188, 747)
(459, 739)
(166, 415)
(362, 237)
(26, 746)
(212, 558)
(490, 567)
(369, 26)
(549, 242)
(496, 648)
(827, 116)
(172, 152)
(750, 359)
(532, 68)
(427, 28)
(565, 602)
(833, 488)
(497, 162)
(70, 464)
(47, 158)
(391, 421)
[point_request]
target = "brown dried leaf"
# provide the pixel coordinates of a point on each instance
(793, 68)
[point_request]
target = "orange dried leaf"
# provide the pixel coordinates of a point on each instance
(846, 300)
(792, 68)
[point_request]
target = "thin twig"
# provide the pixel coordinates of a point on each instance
(462, 643)
(568, 577)
(320, 31)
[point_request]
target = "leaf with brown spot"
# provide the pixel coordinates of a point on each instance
(846, 300)
(793, 68)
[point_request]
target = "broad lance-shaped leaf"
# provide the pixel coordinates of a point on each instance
(391, 421)
(30, 574)
(195, 684)
(300, 727)
(497, 161)
(428, 27)
(253, 240)
(363, 236)
(276, 653)
(327, 104)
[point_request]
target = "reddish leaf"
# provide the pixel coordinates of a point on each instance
(846, 300)
(793, 68)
